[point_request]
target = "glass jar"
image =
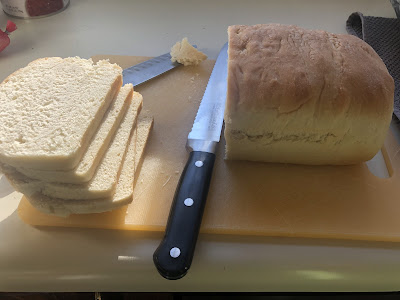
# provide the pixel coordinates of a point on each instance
(28, 9)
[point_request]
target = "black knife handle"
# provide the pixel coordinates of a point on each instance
(174, 255)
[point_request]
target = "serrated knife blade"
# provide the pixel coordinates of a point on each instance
(174, 255)
(210, 116)
(148, 69)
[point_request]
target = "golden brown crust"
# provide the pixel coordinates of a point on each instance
(295, 66)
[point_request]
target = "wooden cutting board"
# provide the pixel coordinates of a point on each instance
(245, 198)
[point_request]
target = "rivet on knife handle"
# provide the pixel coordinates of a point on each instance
(174, 255)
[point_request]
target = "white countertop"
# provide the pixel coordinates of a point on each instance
(55, 259)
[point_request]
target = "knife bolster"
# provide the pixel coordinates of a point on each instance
(200, 145)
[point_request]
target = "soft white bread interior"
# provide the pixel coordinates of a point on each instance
(103, 184)
(51, 108)
(124, 191)
(304, 96)
(84, 171)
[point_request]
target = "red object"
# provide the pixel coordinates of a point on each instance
(4, 38)
(10, 26)
(37, 8)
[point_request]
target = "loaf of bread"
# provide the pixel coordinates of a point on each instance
(51, 108)
(304, 96)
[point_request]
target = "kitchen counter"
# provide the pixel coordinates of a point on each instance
(66, 259)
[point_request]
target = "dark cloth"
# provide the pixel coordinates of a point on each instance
(383, 35)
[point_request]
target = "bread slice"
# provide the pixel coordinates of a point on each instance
(124, 193)
(105, 179)
(132, 163)
(99, 144)
(51, 108)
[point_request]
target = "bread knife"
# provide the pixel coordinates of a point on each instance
(174, 255)
(149, 69)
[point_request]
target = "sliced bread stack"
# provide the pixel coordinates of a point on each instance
(71, 138)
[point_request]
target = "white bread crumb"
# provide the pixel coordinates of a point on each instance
(184, 53)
